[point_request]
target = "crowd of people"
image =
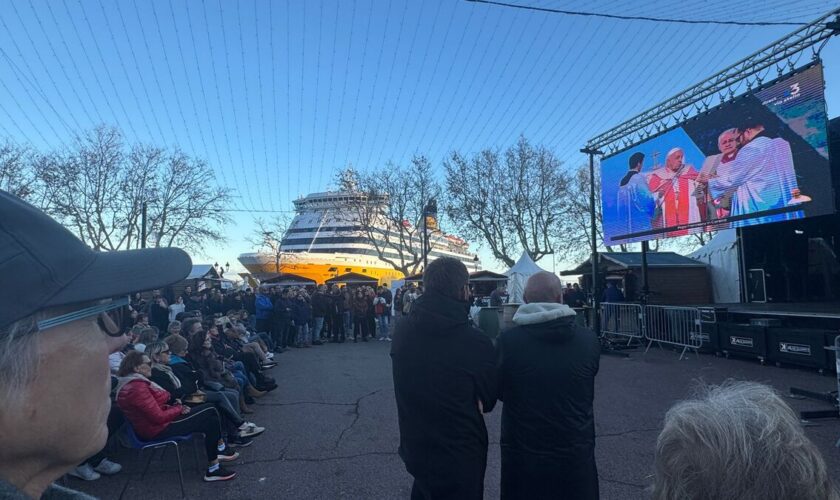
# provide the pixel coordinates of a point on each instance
(202, 372)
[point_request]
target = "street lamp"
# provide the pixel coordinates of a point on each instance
(594, 244)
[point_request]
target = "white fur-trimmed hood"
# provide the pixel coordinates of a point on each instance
(541, 312)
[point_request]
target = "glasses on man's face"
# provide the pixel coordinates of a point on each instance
(111, 316)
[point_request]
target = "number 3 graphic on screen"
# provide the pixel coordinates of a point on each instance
(794, 90)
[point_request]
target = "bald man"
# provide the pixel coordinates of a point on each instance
(546, 377)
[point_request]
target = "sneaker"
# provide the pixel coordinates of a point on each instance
(270, 364)
(388, 339)
(86, 472)
(107, 467)
(219, 474)
(250, 430)
(228, 455)
(269, 355)
(240, 441)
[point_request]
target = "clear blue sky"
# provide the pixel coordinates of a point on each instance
(277, 96)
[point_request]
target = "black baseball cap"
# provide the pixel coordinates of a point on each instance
(42, 264)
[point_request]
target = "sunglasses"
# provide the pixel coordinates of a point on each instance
(112, 316)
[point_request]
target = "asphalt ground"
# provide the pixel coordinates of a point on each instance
(332, 428)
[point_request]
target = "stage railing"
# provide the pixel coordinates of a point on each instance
(678, 326)
(624, 320)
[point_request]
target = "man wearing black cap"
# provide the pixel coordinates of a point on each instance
(55, 337)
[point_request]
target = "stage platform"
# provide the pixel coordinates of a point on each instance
(801, 309)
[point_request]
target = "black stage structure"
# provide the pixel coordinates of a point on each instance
(790, 299)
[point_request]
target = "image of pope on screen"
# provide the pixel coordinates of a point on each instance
(758, 160)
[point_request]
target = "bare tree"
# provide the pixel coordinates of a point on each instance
(268, 235)
(513, 203)
(100, 187)
(389, 206)
(15, 177)
(577, 242)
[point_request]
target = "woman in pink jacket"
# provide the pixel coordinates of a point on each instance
(145, 406)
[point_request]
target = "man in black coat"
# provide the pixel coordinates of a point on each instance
(547, 368)
(444, 378)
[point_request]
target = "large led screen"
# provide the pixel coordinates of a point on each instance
(762, 157)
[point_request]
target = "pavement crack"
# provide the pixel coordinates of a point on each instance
(296, 403)
(631, 431)
(624, 483)
(283, 458)
(356, 416)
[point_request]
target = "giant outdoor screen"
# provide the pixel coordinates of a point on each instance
(761, 157)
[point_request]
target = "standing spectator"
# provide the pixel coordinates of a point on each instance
(444, 378)
(302, 315)
(359, 310)
(159, 313)
(55, 337)
(177, 307)
(379, 310)
(319, 312)
(264, 309)
(389, 299)
(497, 296)
(370, 313)
(337, 331)
(547, 369)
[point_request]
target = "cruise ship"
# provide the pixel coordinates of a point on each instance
(326, 239)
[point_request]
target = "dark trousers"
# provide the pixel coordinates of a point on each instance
(115, 421)
(360, 327)
(289, 335)
(337, 327)
(464, 483)
(263, 325)
(537, 477)
(202, 419)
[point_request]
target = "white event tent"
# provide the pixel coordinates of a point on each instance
(721, 255)
(518, 275)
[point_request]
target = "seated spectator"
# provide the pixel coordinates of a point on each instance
(183, 386)
(213, 369)
(236, 358)
(737, 441)
(145, 405)
(147, 336)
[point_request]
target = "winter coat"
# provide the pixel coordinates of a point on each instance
(144, 404)
(263, 307)
(339, 303)
(162, 379)
(190, 378)
(320, 305)
(212, 369)
(442, 368)
(359, 307)
(282, 310)
(547, 368)
(301, 312)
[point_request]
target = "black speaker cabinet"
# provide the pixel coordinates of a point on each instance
(743, 340)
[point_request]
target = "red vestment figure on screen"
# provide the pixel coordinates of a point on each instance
(675, 189)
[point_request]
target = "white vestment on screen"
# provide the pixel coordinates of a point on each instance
(760, 178)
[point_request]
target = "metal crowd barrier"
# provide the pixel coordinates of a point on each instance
(625, 320)
(678, 326)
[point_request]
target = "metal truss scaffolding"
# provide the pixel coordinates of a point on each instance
(782, 55)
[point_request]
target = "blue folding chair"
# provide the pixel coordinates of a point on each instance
(134, 442)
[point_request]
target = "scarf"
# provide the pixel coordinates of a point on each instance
(176, 382)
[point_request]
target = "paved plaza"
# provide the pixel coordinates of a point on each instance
(332, 428)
